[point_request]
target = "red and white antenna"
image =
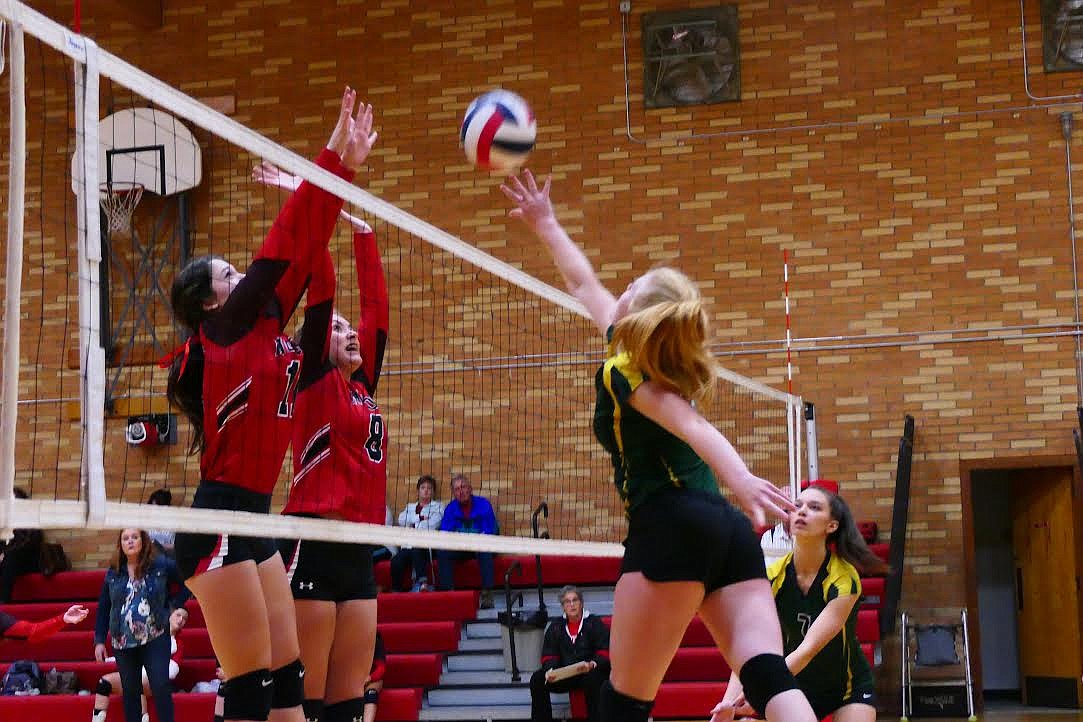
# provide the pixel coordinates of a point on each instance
(786, 294)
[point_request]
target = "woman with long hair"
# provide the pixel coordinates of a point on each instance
(817, 588)
(688, 551)
(236, 380)
(134, 609)
(339, 472)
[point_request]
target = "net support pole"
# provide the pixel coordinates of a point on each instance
(91, 353)
(9, 394)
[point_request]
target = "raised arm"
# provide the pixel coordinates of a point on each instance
(372, 326)
(760, 499)
(535, 209)
(282, 267)
(315, 340)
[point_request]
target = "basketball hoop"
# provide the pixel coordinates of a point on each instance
(118, 201)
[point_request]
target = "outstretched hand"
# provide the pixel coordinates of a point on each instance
(353, 136)
(761, 500)
(344, 124)
(75, 614)
(360, 140)
(532, 204)
(734, 709)
(271, 175)
(723, 712)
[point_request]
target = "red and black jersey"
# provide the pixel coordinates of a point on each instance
(251, 369)
(12, 628)
(339, 438)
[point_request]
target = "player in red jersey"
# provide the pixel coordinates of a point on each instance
(236, 380)
(339, 472)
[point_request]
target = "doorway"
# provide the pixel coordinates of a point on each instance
(1022, 541)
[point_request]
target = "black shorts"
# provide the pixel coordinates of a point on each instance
(199, 553)
(825, 703)
(328, 571)
(678, 535)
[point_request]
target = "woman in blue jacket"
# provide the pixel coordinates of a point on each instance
(134, 608)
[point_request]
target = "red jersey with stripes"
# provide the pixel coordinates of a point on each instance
(251, 369)
(340, 439)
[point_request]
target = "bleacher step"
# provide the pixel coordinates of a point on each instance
(481, 630)
(475, 662)
(599, 609)
(481, 696)
(482, 644)
(482, 714)
(487, 677)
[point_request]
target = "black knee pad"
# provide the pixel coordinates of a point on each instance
(249, 696)
(372, 696)
(289, 686)
(104, 688)
(345, 711)
(313, 709)
(616, 707)
(764, 676)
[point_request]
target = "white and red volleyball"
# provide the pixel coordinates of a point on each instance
(498, 131)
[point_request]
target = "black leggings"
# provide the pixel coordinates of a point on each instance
(154, 657)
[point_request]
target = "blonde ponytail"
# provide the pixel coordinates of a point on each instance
(665, 333)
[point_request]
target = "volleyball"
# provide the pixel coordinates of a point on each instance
(498, 131)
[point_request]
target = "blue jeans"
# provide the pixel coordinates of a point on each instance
(447, 559)
(154, 657)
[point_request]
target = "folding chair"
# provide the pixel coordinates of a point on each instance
(940, 654)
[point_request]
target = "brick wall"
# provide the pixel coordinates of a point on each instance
(889, 146)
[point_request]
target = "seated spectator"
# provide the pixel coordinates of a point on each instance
(381, 553)
(109, 682)
(426, 513)
(577, 639)
(375, 681)
(471, 515)
(21, 555)
(162, 539)
(19, 631)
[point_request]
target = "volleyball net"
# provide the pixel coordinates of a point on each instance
(115, 180)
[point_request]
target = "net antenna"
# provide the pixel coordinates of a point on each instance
(118, 201)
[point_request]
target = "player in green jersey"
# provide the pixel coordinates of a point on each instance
(688, 551)
(817, 588)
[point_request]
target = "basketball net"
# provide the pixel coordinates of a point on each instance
(118, 201)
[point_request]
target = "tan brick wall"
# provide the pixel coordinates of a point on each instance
(889, 146)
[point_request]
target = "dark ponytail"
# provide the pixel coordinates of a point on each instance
(849, 544)
(191, 289)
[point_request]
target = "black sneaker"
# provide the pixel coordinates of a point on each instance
(487, 599)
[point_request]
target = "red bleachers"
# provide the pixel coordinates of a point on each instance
(401, 705)
(555, 570)
(66, 586)
(417, 628)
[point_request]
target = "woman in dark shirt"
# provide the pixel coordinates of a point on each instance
(134, 609)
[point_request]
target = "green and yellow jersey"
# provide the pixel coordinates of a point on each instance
(840, 665)
(646, 457)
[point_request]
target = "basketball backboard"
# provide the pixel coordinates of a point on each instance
(146, 146)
